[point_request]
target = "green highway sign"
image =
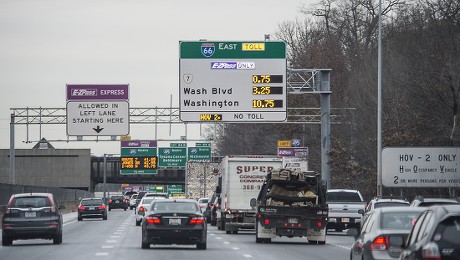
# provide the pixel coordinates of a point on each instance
(199, 154)
(176, 190)
(172, 156)
(232, 81)
(138, 157)
(203, 144)
(178, 145)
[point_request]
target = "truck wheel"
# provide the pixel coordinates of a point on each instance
(213, 221)
(228, 231)
(267, 240)
(235, 232)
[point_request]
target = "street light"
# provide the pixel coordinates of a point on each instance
(379, 105)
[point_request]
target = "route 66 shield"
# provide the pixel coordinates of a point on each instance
(207, 49)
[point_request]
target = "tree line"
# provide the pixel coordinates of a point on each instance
(420, 85)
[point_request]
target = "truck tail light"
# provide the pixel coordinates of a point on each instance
(380, 243)
(319, 224)
(266, 222)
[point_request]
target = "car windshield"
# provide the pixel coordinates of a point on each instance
(178, 207)
(448, 231)
(91, 202)
(30, 202)
(390, 204)
(399, 220)
(342, 197)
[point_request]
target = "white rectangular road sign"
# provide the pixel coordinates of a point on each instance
(415, 167)
(100, 118)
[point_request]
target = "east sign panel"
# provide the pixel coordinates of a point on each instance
(415, 167)
(232, 81)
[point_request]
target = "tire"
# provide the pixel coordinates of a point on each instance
(57, 239)
(104, 217)
(6, 241)
(228, 231)
(138, 223)
(235, 232)
(201, 246)
(79, 218)
(258, 240)
(125, 209)
(110, 209)
(213, 222)
(143, 244)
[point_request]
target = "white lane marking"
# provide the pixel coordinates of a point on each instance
(235, 248)
(343, 247)
(102, 254)
(247, 255)
(117, 233)
(212, 234)
(111, 241)
(218, 238)
(114, 236)
(226, 243)
(107, 247)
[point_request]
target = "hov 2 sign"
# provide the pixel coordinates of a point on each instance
(415, 167)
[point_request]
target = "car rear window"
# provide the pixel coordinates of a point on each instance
(91, 202)
(203, 200)
(448, 231)
(342, 197)
(390, 204)
(178, 207)
(399, 220)
(433, 203)
(30, 202)
(147, 200)
(118, 198)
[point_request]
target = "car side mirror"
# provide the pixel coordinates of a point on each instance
(253, 203)
(361, 211)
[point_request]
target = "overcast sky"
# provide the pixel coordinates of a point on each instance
(46, 44)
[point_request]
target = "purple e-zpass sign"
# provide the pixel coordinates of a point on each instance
(139, 144)
(97, 92)
(299, 152)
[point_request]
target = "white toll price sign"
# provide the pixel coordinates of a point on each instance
(415, 167)
(98, 118)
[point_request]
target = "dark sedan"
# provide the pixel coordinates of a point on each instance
(92, 208)
(174, 221)
(436, 235)
(382, 226)
(118, 202)
(31, 216)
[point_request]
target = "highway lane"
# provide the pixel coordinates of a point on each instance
(119, 238)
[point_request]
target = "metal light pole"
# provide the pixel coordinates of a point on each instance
(379, 105)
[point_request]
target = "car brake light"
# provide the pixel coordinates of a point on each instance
(380, 243)
(81, 208)
(6, 226)
(196, 221)
(141, 208)
(430, 251)
(110, 201)
(101, 206)
(153, 220)
(53, 208)
(319, 224)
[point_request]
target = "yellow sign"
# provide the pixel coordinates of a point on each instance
(253, 46)
(125, 138)
(284, 143)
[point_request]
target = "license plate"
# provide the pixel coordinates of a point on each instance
(116, 201)
(293, 220)
(345, 220)
(31, 214)
(92, 208)
(174, 221)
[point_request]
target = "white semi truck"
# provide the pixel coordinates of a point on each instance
(242, 179)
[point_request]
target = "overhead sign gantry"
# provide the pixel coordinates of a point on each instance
(232, 81)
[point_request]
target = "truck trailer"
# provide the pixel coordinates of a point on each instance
(242, 179)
